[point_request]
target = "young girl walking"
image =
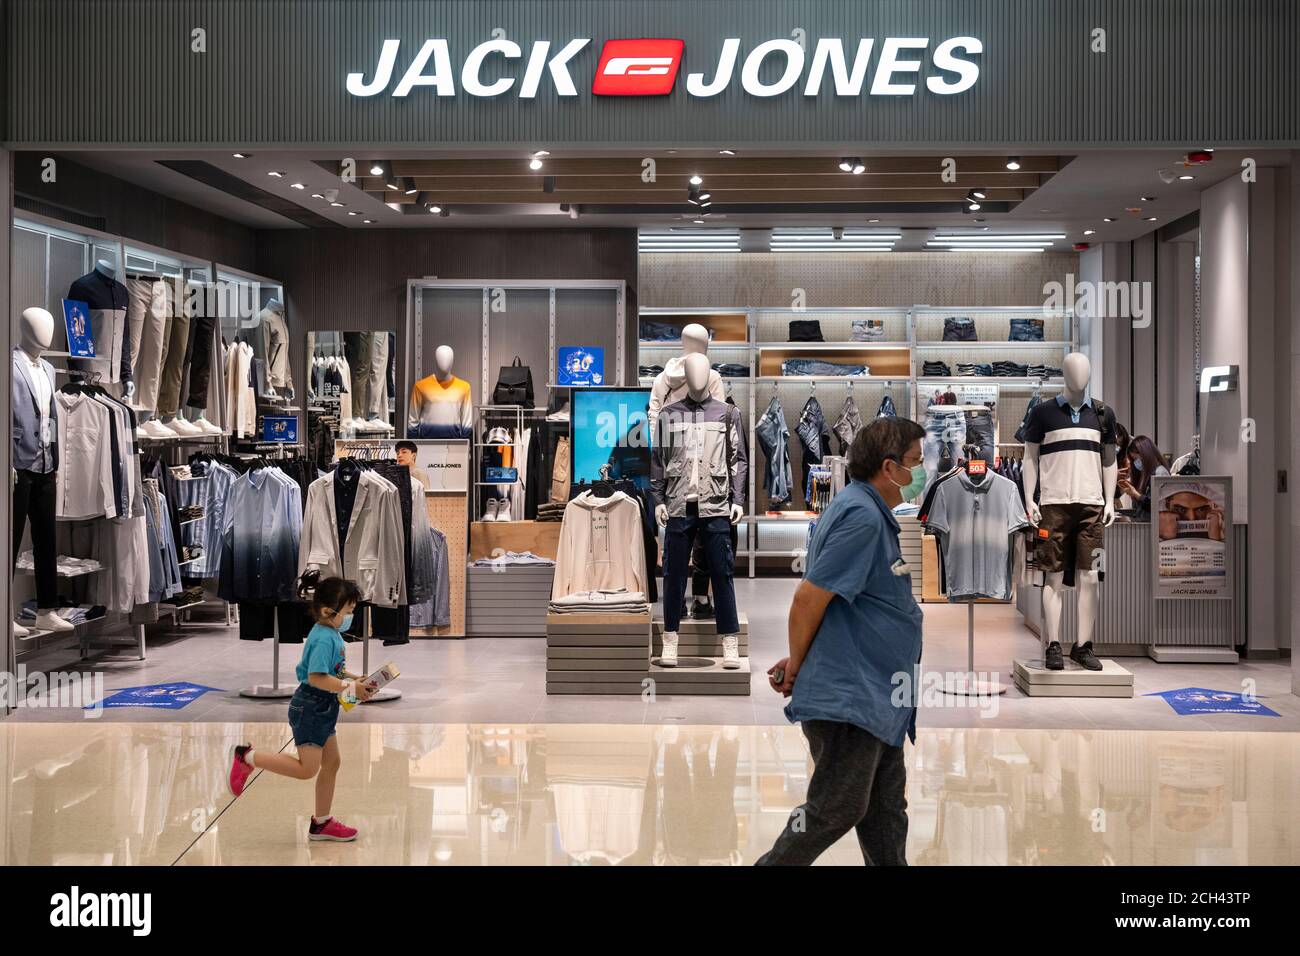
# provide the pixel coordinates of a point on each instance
(314, 709)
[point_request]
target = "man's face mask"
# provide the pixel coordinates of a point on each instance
(912, 490)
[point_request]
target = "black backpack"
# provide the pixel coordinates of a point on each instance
(514, 385)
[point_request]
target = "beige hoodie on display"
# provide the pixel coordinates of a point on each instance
(600, 546)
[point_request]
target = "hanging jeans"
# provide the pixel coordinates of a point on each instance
(774, 439)
(979, 431)
(945, 432)
(33, 498)
(679, 536)
(886, 409)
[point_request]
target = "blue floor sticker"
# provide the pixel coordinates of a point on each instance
(1202, 700)
(172, 696)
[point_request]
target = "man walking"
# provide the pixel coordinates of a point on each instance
(854, 628)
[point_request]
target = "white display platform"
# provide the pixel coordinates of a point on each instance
(1035, 680)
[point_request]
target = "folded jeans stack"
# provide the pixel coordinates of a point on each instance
(660, 331)
(1026, 330)
(806, 330)
(973, 369)
(936, 368)
(731, 369)
(1010, 369)
(1043, 371)
(609, 601)
(959, 328)
(648, 371)
(867, 330)
(800, 366)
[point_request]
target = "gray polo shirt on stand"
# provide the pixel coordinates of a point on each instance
(974, 522)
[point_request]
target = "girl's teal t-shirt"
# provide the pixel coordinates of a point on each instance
(322, 654)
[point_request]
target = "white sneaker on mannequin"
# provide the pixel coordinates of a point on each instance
(50, 621)
(206, 427)
(669, 656)
(490, 510)
(181, 427)
(730, 651)
(20, 631)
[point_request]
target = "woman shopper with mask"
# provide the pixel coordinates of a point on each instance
(1144, 463)
(314, 709)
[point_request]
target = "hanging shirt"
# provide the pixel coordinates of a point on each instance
(974, 521)
(345, 496)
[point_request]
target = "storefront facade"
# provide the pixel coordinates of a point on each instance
(484, 81)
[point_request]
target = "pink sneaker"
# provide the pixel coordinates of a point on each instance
(239, 771)
(331, 829)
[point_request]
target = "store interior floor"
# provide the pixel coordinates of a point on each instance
(563, 794)
(502, 680)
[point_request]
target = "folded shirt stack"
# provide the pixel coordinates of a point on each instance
(551, 511)
(515, 558)
(67, 567)
(936, 368)
(612, 601)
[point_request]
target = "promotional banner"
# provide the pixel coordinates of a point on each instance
(171, 696)
(1191, 528)
(580, 365)
(1189, 701)
(440, 464)
(76, 319)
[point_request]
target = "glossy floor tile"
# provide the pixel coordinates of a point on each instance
(485, 680)
(633, 794)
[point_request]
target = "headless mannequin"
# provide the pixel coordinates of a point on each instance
(109, 271)
(698, 373)
(1078, 372)
(423, 401)
(36, 332)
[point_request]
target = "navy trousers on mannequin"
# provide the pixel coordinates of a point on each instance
(680, 535)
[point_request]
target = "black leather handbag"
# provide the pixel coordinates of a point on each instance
(514, 385)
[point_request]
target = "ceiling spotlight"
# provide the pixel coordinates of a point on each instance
(698, 222)
(859, 167)
(697, 180)
(394, 206)
(297, 186)
(317, 196)
(350, 213)
(697, 195)
(367, 221)
(846, 164)
(376, 169)
(1186, 176)
(1090, 232)
(1148, 198)
(1108, 219)
(240, 155)
(337, 204)
(435, 209)
(573, 212)
(540, 153)
(1151, 218)
(408, 186)
(973, 200)
(1013, 163)
(979, 193)
(276, 173)
(727, 152)
(873, 220)
(534, 164)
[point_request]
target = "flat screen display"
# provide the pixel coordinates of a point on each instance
(610, 427)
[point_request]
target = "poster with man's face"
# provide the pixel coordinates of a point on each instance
(1191, 521)
(437, 464)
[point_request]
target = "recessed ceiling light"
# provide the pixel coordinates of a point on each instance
(540, 153)
(352, 213)
(435, 209)
(376, 169)
(1108, 219)
(727, 152)
(535, 164)
(979, 193)
(297, 186)
(1090, 232)
(1148, 198)
(1207, 149)
(394, 206)
(276, 173)
(1151, 218)
(337, 204)
(317, 196)
(1186, 176)
(367, 221)
(697, 180)
(873, 220)
(240, 155)
(698, 222)
(1013, 163)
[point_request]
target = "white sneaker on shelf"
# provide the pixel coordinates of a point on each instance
(181, 427)
(206, 426)
(490, 510)
(20, 631)
(669, 656)
(156, 429)
(50, 621)
(730, 651)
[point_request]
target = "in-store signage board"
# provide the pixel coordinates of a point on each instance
(441, 464)
(870, 66)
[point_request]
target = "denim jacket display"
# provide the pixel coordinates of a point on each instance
(699, 453)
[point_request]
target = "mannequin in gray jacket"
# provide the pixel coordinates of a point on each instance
(698, 473)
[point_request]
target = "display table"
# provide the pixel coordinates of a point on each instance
(1131, 622)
